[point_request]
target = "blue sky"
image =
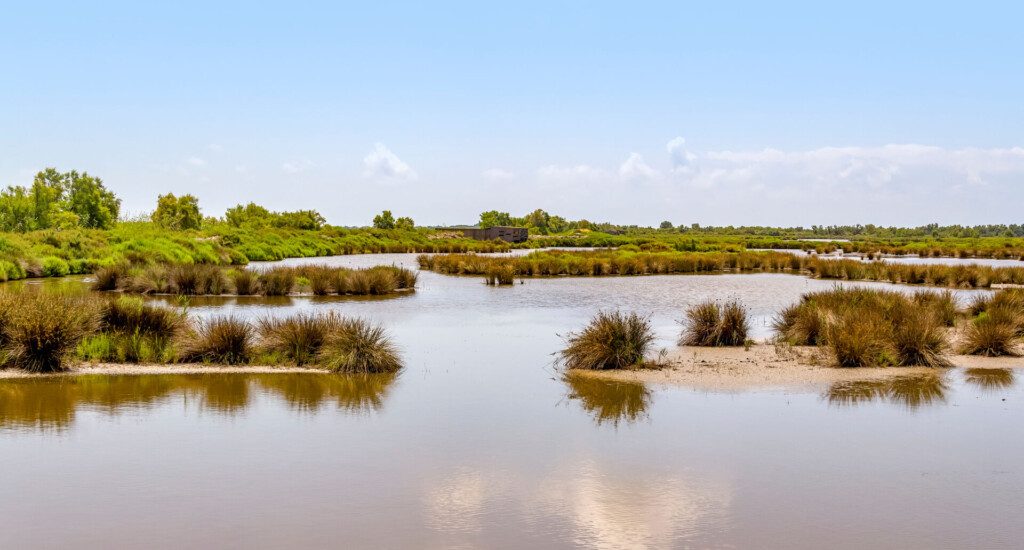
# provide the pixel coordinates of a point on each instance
(732, 113)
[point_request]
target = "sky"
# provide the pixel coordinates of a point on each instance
(718, 113)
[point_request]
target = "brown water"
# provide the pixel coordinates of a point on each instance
(479, 442)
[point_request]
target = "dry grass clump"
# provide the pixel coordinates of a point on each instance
(296, 339)
(612, 340)
(871, 328)
(39, 330)
(357, 346)
(246, 282)
(222, 340)
(500, 275)
(278, 281)
(997, 325)
(109, 277)
(711, 324)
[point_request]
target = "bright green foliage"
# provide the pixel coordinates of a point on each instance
(384, 220)
(60, 201)
(253, 215)
(405, 222)
(177, 213)
(493, 218)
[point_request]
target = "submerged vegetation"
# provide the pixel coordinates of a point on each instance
(629, 261)
(198, 279)
(612, 340)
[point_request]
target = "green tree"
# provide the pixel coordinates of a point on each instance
(538, 219)
(405, 222)
(300, 219)
(48, 189)
(666, 225)
(384, 220)
(250, 214)
(17, 209)
(493, 218)
(177, 213)
(87, 198)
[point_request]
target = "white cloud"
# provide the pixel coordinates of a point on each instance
(296, 166)
(893, 167)
(572, 174)
(195, 161)
(382, 163)
(677, 153)
(497, 174)
(635, 168)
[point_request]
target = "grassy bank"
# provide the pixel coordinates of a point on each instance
(59, 252)
(630, 262)
(44, 332)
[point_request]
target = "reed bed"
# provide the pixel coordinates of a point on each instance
(210, 280)
(595, 263)
(870, 327)
(43, 331)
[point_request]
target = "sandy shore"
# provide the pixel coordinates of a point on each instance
(766, 366)
(114, 368)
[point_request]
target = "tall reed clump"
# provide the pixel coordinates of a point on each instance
(358, 346)
(500, 275)
(612, 340)
(869, 328)
(109, 277)
(39, 330)
(711, 324)
(997, 325)
(224, 340)
(337, 343)
(296, 339)
(246, 282)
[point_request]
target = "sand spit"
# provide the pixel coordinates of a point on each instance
(765, 366)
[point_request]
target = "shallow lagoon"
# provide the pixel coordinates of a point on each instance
(480, 442)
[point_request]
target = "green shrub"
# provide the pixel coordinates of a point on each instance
(55, 267)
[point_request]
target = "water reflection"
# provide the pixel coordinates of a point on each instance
(52, 402)
(910, 391)
(990, 379)
(312, 392)
(608, 400)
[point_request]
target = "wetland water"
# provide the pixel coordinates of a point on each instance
(480, 443)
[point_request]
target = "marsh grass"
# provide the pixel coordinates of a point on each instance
(296, 339)
(612, 340)
(358, 346)
(712, 324)
(200, 279)
(500, 275)
(635, 261)
(223, 340)
(870, 327)
(40, 329)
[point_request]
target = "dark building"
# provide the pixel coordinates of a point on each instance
(510, 234)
